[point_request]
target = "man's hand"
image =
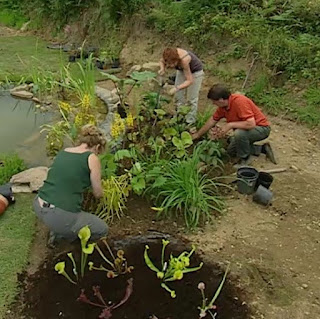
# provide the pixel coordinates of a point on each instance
(161, 72)
(225, 129)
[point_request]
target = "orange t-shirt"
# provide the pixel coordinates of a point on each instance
(240, 108)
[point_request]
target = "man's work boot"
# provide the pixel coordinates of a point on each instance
(266, 149)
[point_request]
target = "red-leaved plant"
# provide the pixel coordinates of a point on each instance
(107, 310)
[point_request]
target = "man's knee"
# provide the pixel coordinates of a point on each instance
(240, 134)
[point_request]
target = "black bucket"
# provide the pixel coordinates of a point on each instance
(247, 179)
(264, 179)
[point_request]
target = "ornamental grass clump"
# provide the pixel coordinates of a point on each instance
(185, 189)
(173, 269)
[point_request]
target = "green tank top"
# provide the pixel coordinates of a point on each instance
(68, 178)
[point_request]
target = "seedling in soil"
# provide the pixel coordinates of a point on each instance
(119, 265)
(84, 235)
(106, 309)
(210, 307)
(171, 270)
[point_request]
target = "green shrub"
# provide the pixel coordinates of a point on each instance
(10, 164)
(12, 18)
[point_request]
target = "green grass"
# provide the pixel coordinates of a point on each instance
(20, 53)
(12, 18)
(17, 227)
(11, 164)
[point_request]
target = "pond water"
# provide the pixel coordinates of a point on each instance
(20, 129)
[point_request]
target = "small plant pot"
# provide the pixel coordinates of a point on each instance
(247, 179)
(262, 196)
(4, 203)
(72, 58)
(115, 63)
(264, 179)
(122, 110)
(100, 64)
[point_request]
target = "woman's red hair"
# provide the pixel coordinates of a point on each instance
(170, 56)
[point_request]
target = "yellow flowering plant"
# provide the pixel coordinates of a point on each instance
(173, 269)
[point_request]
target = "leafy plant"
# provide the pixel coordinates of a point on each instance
(210, 152)
(106, 312)
(119, 265)
(125, 86)
(173, 269)
(204, 308)
(182, 144)
(10, 164)
(203, 117)
(84, 235)
(116, 190)
(184, 189)
(81, 81)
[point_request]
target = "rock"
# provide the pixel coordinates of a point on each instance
(112, 71)
(305, 286)
(294, 167)
(151, 66)
(296, 149)
(36, 100)
(29, 180)
(25, 26)
(23, 87)
(134, 68)
(22, 94)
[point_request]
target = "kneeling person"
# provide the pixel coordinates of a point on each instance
(59, 200)
(245, 118)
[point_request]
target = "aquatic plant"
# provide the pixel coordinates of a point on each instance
(173, 269)
(208, 307)
(106, 312)
(84, 235)
(118, 264)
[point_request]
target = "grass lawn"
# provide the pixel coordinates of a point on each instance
(17, 227)
(20, 53)
(23, 55)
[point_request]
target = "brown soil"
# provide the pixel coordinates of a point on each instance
(49, 295)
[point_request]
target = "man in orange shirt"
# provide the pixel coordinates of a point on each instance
(245, 118)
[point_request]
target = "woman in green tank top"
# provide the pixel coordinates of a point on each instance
(59, 200)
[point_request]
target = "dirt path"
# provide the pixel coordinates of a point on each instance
(275, 250)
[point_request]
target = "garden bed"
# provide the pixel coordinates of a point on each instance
(49, 295)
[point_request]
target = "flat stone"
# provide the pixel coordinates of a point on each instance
(22, 87)
(36, 100)
(134, 68)
(29, 180)
(151, 66)
(22, 94)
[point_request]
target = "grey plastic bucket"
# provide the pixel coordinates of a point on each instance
(247, 179)
(262, 196)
